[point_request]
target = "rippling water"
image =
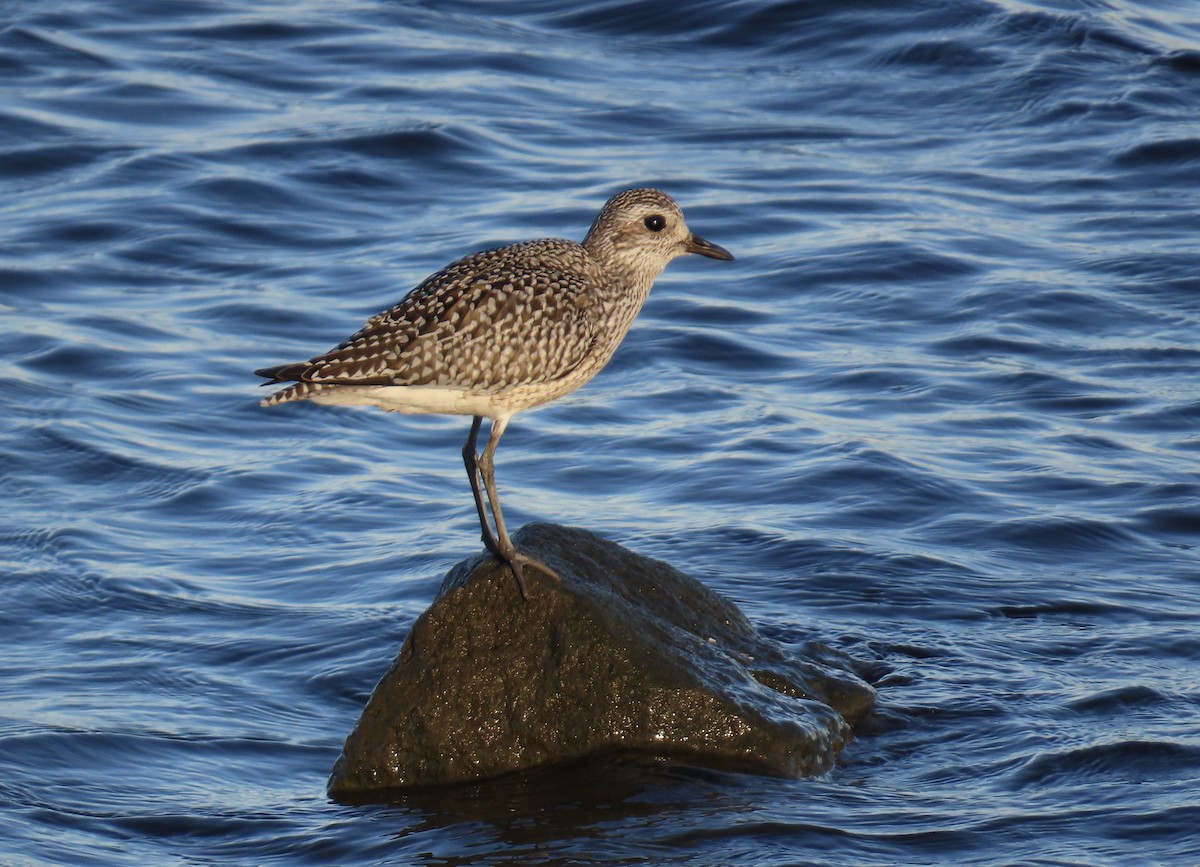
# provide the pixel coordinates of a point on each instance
(942, 411)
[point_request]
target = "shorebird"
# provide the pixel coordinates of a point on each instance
(502, 331)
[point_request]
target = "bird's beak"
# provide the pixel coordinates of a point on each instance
(696, 244)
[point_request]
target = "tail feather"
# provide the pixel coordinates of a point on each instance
(283, 372)
(297, 391)
(301, 387)
(293, 373)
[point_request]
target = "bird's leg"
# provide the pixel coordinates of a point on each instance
(486, 466)
(471, 459)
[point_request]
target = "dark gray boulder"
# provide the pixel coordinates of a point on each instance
(626, 654)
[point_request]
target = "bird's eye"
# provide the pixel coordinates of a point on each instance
(655, 222)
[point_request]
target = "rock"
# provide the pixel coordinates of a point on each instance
(626, 654)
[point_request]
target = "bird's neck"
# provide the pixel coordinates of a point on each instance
(634, 274)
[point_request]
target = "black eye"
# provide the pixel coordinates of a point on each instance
(655, 223)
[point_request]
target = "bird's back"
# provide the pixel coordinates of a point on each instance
(513, 316)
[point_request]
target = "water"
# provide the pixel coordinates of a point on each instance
(942, 412)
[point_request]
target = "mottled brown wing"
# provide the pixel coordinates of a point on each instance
(514, 315)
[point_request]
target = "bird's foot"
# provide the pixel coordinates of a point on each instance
(519, 562)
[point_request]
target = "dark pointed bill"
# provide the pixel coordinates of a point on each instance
(696, 244)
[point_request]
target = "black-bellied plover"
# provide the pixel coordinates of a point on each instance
(502, 331)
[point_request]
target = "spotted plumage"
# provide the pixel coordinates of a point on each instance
(504, 330)
(516, 315)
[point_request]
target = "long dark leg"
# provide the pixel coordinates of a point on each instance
(487, 469)
(471, 459)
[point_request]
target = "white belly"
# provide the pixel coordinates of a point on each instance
(417, 400)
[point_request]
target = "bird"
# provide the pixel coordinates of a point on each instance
(502, 331)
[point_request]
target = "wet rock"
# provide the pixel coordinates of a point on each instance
(626, 654)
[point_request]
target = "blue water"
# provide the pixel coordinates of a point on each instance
(942, 412)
